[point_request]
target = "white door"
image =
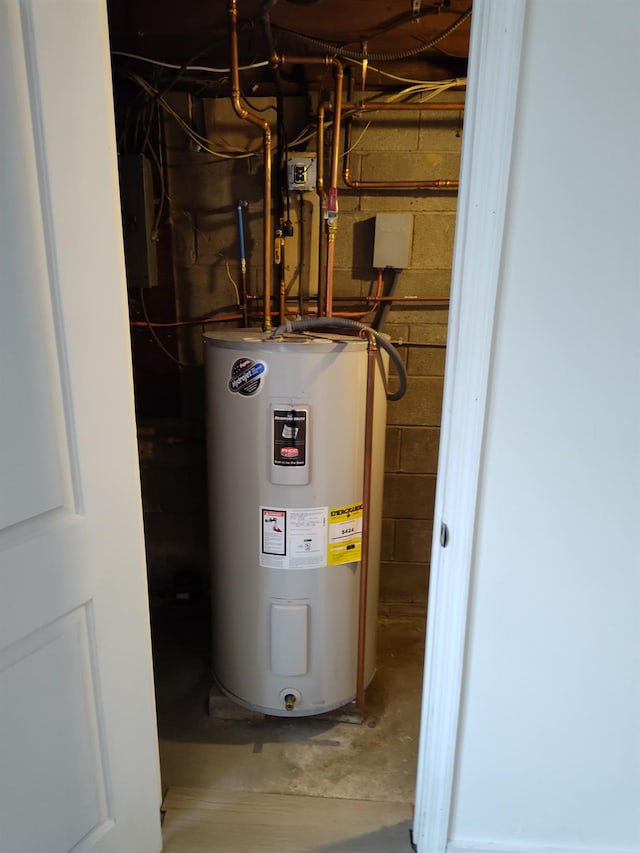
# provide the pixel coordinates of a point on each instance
(78, 743)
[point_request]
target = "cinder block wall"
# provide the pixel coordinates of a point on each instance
(409, 146)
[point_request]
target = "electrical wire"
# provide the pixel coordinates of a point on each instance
(305, 135)
(200, 68)
(230, 277)
(205, 321)
(446, 84)
(255, 109)
(157, 159)
(155, 336)
(428, 91)
(380, 57)
(201, 141)
(358, 140)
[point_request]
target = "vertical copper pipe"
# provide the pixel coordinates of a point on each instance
(337, 119)
(331, 210)
(331, 249)
(332, 196)
(322, 196)
(245, 115)
(348, 127)
(372, 357)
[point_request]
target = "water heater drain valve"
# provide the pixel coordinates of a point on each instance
(290, 698)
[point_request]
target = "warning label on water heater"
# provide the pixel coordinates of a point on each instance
(345, 534)
(289, 437)
(293, 538)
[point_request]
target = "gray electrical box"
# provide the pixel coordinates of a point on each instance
(392, 242)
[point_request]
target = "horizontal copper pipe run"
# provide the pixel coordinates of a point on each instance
(263, 125)
(377, 299)
(353, 108)
(290, 59)
(397, 185)
(406, 106)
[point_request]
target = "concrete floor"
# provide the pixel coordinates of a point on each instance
(304, 756)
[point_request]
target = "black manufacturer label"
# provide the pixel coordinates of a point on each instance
(246, 376)
(289, 437)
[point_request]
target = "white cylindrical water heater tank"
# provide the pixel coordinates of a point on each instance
(285, 441)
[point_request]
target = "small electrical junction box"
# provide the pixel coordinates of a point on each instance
(301, 172)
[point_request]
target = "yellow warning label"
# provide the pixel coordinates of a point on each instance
(345, 534)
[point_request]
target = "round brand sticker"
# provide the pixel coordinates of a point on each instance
(246, 376)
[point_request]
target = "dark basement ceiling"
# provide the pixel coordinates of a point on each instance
(196, 32)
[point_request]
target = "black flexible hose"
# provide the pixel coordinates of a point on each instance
(382, 311)
(344, 323)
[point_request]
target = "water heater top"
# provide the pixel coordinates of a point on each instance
(257, 339)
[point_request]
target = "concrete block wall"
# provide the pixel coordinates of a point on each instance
(410, 146)
(407, 146)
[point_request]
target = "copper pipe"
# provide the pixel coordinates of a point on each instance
(379, 285)
(320, 153)
(398, 185)
(387, 185)
(293, 59)
(332, 196)
(337, 119)
(441, 300)
(406, 106)
(245, 115)
(392, 299)
(331, 249)
(322, 196)
(331, 211)
(361, 314)
(372, 353)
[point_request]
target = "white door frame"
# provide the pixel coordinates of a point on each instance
(490, 114)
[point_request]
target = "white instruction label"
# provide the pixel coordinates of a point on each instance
(293, 538)
(274, 531)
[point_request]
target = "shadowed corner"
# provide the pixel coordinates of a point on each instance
(387, 839)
